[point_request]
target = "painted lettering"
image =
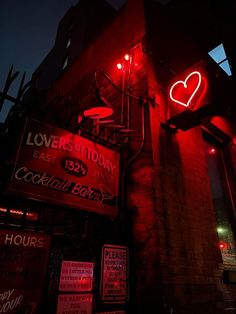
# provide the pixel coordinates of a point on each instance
(6, 295)
(23, 240)
(64, 144)
(10, 305)
(23, 174)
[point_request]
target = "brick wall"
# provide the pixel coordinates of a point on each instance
(174, 225)
(126, 30)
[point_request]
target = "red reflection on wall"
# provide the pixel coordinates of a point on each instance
(189, 91)
(224, 125)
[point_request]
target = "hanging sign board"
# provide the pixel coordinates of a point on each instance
(76, 276)
(75, 304)
(190, 89)
(23, 265)
(60, 167)
(189, 97)
(114, 274)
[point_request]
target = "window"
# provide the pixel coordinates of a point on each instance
(219, 56)
(222, 202)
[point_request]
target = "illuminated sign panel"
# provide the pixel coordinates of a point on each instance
(61, 167)
(190, 91)
(183, 92)
(189, 97)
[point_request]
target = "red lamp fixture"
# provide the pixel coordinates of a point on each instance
(98, 112)
(122, 65)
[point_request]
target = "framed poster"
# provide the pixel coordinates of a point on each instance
(114, 274)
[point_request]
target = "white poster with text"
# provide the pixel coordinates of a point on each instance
(75, 304)
(76, 276)
(114, 274)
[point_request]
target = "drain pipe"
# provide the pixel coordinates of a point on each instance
(126, 215)
(135, 156)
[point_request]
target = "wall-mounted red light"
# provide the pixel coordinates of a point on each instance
(119, 66)
(212, 150)
(223, 245)
(126, 57)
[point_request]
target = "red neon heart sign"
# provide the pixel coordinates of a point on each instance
(182, 92)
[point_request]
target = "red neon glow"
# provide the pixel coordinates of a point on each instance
(126, 57)
(119, 66)
(17, 212)
(183, 92)
(224, 125)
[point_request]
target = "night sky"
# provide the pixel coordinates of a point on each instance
(27, 34)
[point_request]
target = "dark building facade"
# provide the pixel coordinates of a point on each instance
(154, 230)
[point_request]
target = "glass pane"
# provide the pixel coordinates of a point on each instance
(221, 203)
(225, 66)
(218, 53)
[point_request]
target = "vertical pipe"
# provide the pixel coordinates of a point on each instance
(128, 89)
(122, 96)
